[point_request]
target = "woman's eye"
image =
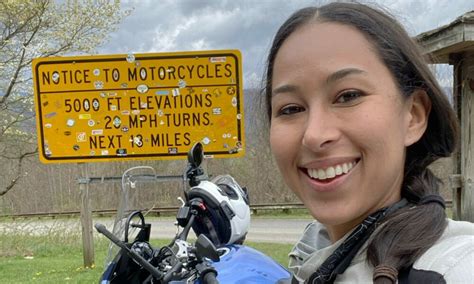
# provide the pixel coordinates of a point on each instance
(348, 96)
(291, 109)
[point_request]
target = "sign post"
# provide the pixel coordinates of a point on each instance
(86, 217)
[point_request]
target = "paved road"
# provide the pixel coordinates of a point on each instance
(277, 230)
(261, 229)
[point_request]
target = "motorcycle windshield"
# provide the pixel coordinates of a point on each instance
(136, 185)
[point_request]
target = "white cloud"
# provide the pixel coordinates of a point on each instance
(247, 25)
(165, 38)
(200, 44)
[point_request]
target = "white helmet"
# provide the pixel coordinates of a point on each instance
(225, 215)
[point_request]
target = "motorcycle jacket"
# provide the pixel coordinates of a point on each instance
(449, 260)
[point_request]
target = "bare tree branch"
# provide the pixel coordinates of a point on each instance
(19, 173)
(32, 29)
(22, 58)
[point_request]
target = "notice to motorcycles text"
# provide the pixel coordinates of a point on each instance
(139, 106)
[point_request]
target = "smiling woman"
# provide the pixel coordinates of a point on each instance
(355, 119)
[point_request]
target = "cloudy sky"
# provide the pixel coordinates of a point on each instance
(247, 25)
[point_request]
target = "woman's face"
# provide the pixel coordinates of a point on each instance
(339, 125)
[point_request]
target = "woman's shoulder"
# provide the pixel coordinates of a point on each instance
(313, 238)
(458, 234)
(453, 254)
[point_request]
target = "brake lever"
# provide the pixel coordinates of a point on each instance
(177, 267)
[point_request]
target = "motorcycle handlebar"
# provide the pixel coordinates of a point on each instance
(207, 273)
(103, 230)
(210, 278)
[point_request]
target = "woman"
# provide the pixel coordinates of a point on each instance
(355, 119)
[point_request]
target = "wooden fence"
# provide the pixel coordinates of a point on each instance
(170, 210)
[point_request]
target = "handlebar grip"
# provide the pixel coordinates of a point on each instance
(210, 278)
(103, 230)
(143, 262)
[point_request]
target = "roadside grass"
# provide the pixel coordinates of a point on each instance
(57, 257)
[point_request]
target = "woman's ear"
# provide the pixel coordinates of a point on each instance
(419, 110)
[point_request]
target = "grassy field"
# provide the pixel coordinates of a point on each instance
(57, 258)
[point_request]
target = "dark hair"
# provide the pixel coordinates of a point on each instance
(410, 231)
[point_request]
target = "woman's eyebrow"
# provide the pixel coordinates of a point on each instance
(343, 73)
(340, 74)
(284, 89)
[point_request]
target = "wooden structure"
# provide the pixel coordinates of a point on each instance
(86, 218)
(454, 44)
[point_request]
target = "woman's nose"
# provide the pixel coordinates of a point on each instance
(320, 131)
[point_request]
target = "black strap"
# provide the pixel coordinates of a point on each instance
(410, 275)
(341, 258)
(210, 228)
(432, 198)
(403, 275)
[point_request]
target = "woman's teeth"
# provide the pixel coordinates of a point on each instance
(331, 172)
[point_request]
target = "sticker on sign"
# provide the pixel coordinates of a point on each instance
(139, 106)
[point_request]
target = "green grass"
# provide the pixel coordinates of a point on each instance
(279, 252)
(57, 258)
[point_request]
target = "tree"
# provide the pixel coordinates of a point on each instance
(31, 29)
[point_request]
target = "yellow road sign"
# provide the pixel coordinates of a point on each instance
(139, 106)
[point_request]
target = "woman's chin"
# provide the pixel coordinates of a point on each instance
(334, 217)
